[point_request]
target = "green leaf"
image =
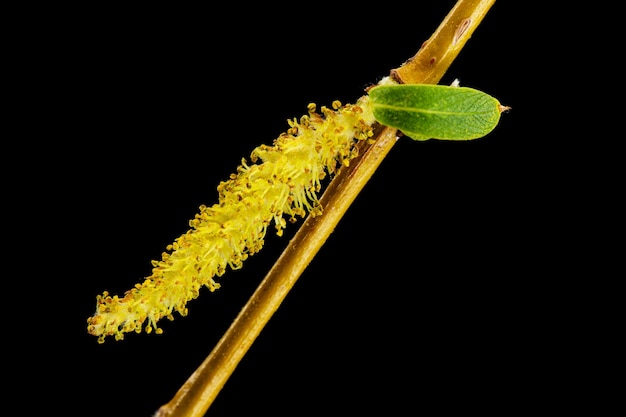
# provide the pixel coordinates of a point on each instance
(424, 111)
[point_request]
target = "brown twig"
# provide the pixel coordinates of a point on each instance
(427, 67)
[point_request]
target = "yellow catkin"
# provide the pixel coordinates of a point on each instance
(283, 180)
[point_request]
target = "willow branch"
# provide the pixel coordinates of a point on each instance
(427, 67)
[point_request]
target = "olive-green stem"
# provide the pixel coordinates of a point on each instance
(427, 67)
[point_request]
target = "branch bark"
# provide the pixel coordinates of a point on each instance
(427, 67)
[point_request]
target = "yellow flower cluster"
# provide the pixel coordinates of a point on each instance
(284, 182)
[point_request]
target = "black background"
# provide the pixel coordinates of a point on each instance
(436, 290)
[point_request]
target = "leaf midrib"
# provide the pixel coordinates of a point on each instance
(414, 110)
